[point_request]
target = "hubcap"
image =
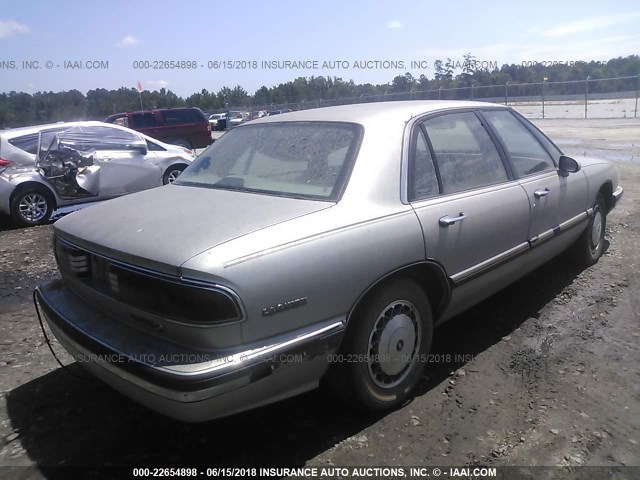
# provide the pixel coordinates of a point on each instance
(393, 343)
(33, 207)
(596, 229)
(173, 175)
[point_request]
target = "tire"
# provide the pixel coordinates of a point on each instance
(590, 245)
(172, 173)
(382, 356)
(32, 206)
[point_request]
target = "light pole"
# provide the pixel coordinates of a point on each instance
(635, 112)
(586, 94)
(506, 92)
(544, 79)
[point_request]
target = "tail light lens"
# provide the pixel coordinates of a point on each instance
(173, 299)
(4, 163)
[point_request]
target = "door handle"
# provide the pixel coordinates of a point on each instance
(447, 220)
(541, 193)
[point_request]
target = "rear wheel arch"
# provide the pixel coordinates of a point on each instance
(26, 185)
(431, 278)
(389, 334)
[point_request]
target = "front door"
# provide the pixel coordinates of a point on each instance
(553, 198)
(126, 164)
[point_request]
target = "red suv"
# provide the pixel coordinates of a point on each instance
(187, 127)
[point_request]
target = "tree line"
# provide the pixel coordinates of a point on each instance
(19, 108)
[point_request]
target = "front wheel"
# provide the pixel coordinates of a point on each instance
(382, 357)
(32, 206)
(172, 173)
(590, 245)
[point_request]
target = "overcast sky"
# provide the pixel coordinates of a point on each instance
(205, 32)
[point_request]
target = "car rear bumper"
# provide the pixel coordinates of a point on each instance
(6, 189)
(189, 385)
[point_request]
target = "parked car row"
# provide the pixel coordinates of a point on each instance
(219, 121)
(187, 127)
(317, 246)
(214, 118)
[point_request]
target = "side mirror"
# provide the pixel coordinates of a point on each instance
(139, 147)
(568, 165)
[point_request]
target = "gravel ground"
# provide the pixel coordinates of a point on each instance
(543, 373)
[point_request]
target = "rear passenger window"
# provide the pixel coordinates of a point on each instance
(464, 152)
(526, 154)
(423, 182)
(29, 143)
(177, 117)
(142, 120)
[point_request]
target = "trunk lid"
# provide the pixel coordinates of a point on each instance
(161, 228)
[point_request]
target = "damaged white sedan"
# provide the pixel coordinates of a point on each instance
(50, 166)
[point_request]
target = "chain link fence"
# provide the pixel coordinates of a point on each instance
(588, 98)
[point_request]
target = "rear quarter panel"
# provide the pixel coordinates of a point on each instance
(323, 256)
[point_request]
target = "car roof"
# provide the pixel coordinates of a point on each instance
(16, 132)
(395, 111)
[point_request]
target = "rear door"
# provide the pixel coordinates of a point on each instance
(145, 122)
(473, 214)
(186, 123)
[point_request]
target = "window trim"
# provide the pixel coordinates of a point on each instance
(534, 133)
(412, 153)
(417, 122)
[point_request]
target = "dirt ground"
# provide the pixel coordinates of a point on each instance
(543, 373)
(574, 109)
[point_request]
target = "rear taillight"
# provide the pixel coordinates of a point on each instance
(4, 163)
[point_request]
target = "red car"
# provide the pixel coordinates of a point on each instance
(187, 127)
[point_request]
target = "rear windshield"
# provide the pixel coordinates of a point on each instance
(181, 116)
(294, 159)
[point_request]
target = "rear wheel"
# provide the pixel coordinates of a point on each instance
(382, 356)
(172, 173)
(590, 245)
(32, 206)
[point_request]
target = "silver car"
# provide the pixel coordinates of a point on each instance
(50, 166)
(317, 245)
